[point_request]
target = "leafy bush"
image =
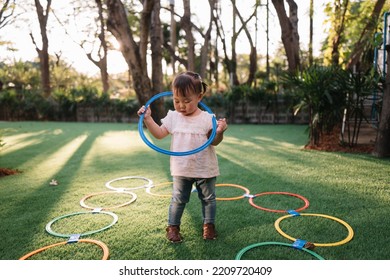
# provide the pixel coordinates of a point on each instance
(319, 89)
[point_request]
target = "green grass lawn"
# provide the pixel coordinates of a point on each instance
(82, 157)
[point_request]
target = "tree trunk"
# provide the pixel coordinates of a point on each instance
(233, 61)
(156, 42)
(135, 54)
(43, 53)
(146, 21)
(290, 36)
(253, 52)
(117, 24)
(311, 13)
(340, 11)
(204, 53)
(173, 35)
(187, 27)
(103, 57)
(382, 145)
(230, 63)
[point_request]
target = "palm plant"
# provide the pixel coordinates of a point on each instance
(318, 90)
(359, 87)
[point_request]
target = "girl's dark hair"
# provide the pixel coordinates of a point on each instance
(188, 82)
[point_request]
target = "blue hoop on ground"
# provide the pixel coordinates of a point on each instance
(49, 229)
(167, 152)
(246, 249)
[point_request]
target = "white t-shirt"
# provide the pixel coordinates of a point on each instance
(189, 133)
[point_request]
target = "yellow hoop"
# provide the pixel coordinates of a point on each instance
(99, 243)
(347, 239)
(235, 186)
(148, 190)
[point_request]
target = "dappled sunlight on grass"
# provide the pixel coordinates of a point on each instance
(110, 144)
(10, 148)
(256, 156)
(58, 131)
(279, 143)
(241, 142)
(20, 141)
(118, 142)
(55, 162)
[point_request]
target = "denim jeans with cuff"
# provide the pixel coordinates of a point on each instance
(182, 188)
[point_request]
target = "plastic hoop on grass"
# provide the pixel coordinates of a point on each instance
(133, 198)
(276, 210)
(168, 152)
(149, 183)
(234, 186)
(99, 243)
(246, 249)
(49, 229)
(148, 190)
(347, 239)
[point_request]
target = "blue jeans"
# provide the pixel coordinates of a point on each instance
(181, 193)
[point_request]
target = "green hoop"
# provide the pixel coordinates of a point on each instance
(246, 249)
(50, 231)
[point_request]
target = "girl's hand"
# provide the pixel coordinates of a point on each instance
(221, 125)
(141, 111)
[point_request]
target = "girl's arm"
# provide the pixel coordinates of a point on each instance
(157, 131)
(221, 127)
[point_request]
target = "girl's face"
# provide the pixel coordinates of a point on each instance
(186, 105)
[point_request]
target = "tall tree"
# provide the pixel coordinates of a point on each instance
(382, 145)
(311, 15)
(253, 50)
(7, 9)
(43, 53)
(290, 35)
(366, 35)
(98, 28)
(204, 51)
(156, 41)
(172, 34)
(190, 57)
(103, 49)
(339, 12)
(231, 62)
(135, 53)
(186, 24)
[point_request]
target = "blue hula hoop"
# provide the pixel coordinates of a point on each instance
(168, 152)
